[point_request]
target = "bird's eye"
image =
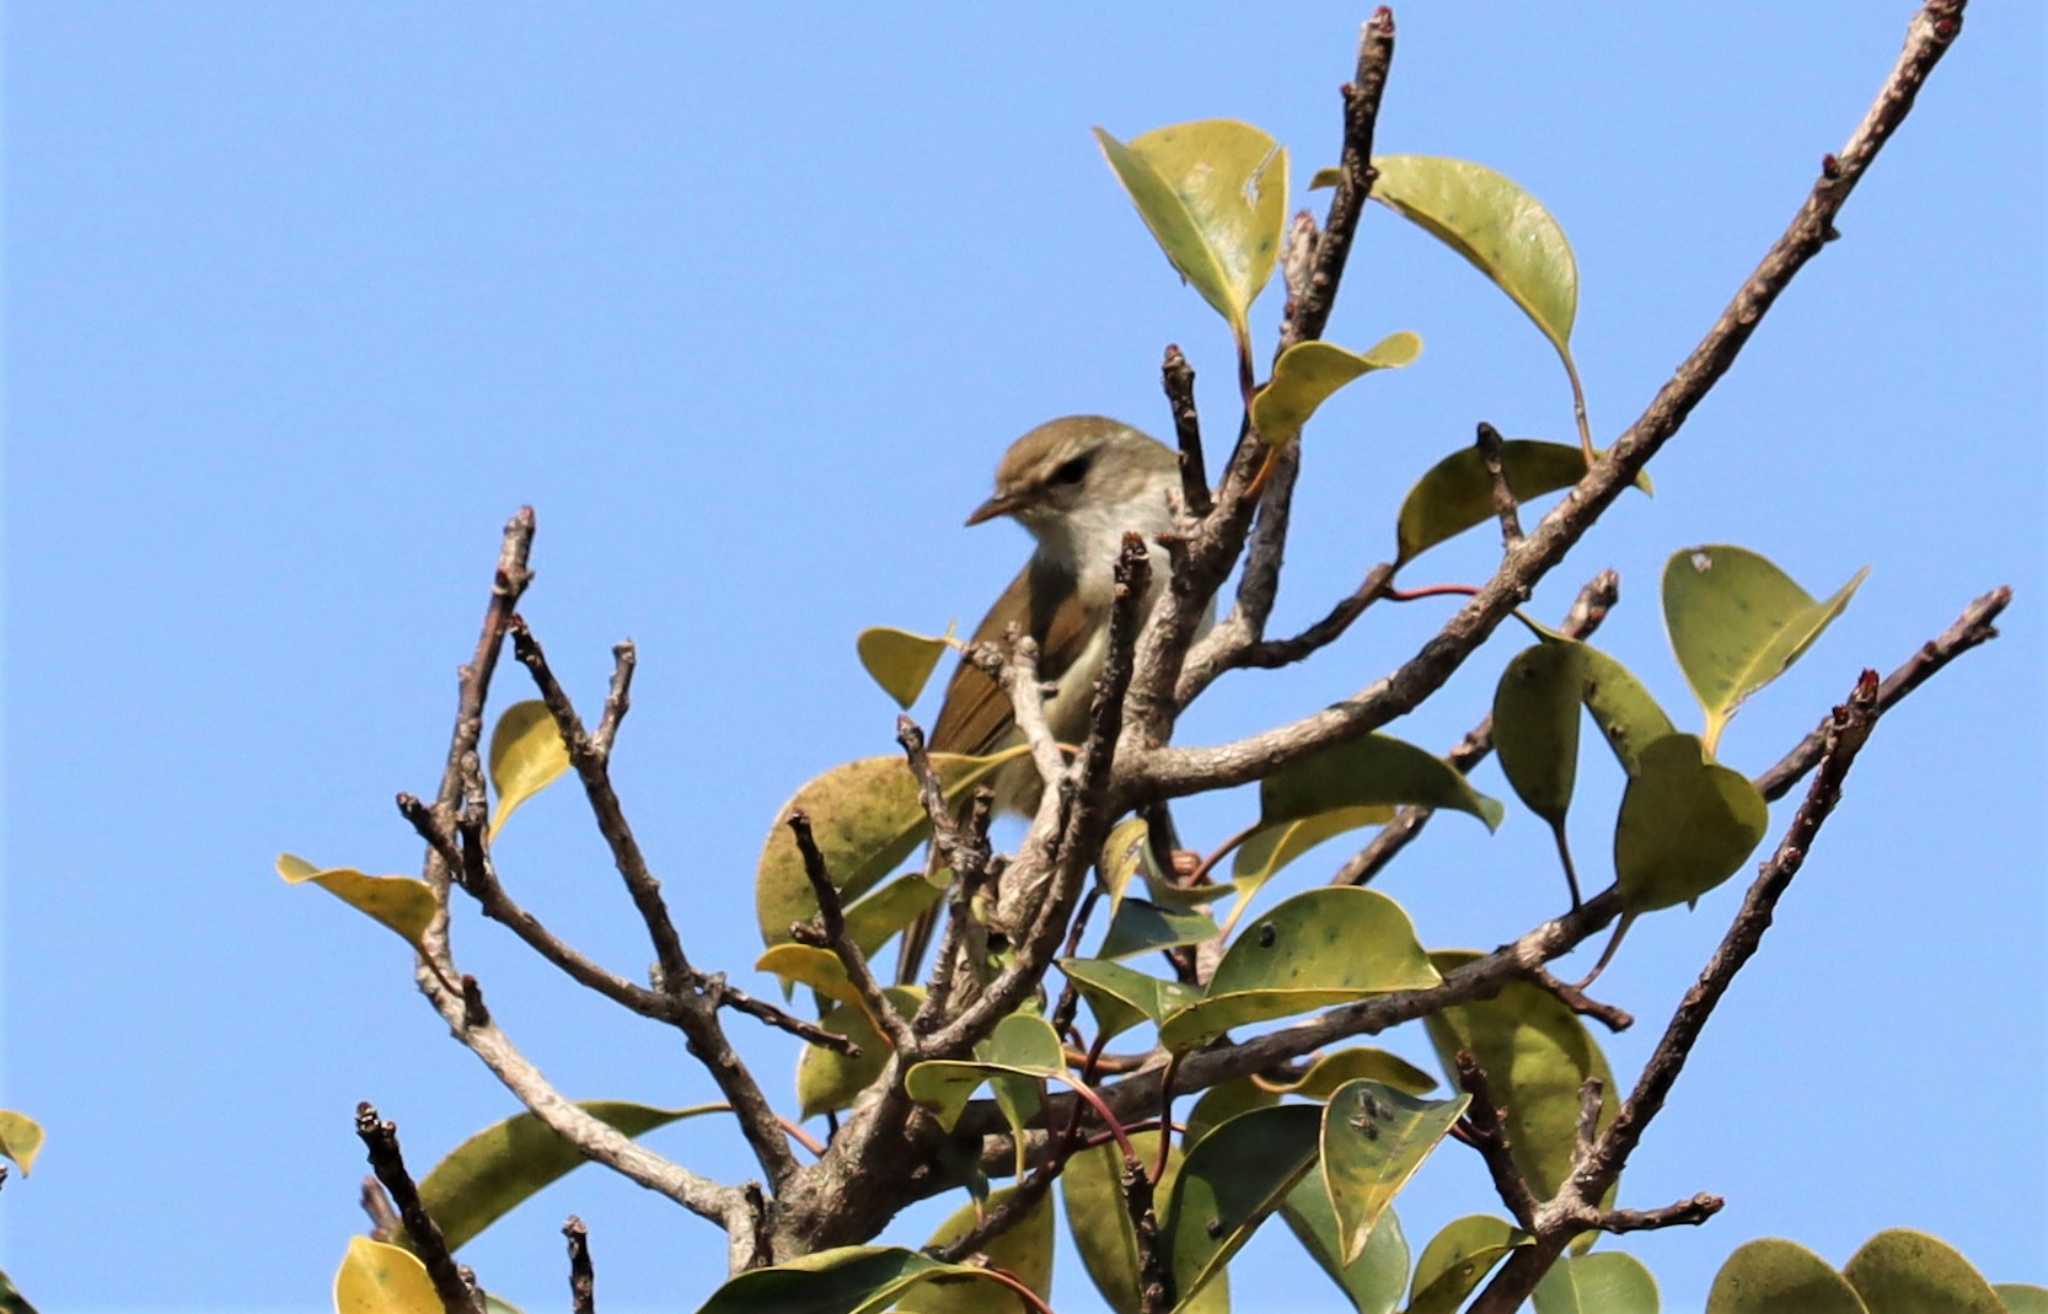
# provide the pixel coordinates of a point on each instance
(1072, 472)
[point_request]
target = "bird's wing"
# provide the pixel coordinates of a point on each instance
(976, 716)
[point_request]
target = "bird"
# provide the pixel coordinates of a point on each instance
(1078, 484)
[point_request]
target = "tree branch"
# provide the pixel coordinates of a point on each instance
(1485, 1132)
(832, 918)
(1178, 378)
(582, 1277)
(381, 1139)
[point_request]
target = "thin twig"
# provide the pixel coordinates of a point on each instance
(832, 918)
(381, 1139)
(1486, 1132)
(1356, 177)
(582, 1277)
(616, 702)
(1178, 378)
(1503, 496)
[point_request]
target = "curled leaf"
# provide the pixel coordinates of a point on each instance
(1374, 1281)
(401, 903)
(21, 1139)
(1092, 1193)
(1309, 373)
(900, 661)
(527, 753)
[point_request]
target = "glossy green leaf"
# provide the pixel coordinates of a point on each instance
(1222, 1102)
(1628, 717)
(867, 816)
(1269, 848)
(1373, 1282)
(1326, 946)
(1536, 726)
(1536, 1054)
(1022, 1045)
(1024, 1250)
(899, 660)
(1902, 1271)
(1120, 997)
(402, 903)
(1236, 1176)
(1736, 622)
(1457, 1260)
(1310, 373)
(1127, 853)
(1327, 1072)
(1091, 1191)
(1686, 825)
(874, 919)
(485, 1177)
(1374, 1138)
(1773, 1276)
(527, 753)
(1501, 229)
(1608, 1282)
(11, 1299)
(1214, 194)
(21, 1139)
(1373, 769)
(1457, 493)
(846, 1280)
(2022, 1297)
(827, 1080)
(1140, 925)
(376, 1278)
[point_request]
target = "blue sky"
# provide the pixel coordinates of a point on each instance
(302, 301)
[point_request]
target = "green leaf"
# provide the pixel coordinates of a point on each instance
(1222, 1102)
(1605, 1283)
(1536, 1055)
(402, 903)
(866, 816)
(1091, 1191)
(1536, 726)
(485, 1177)
(1737, 622)
(1457, 1260)
(1269, 848)
(873, 920)
(1686, 825)
(1457, 493)
(1772, 1276)
(1373, 769)
(1329, 1071)
(1024, 1250)
(1375, 1280)
(21, 1139)
(527, 753)
(845, 1280)
(1236, 1176)
(1139, 925)
(1628, 717)
(2019, 1297)
(1022, 1045)
(1327, 946)
(1374, 1138)
(827, 1080)
(1214, 194)
(1128, 852)
(1502, 230)
(375, 1278)
(1121, 998)
(1902, 1271)
(1309, 374)
(11, 1299)
(899, 660)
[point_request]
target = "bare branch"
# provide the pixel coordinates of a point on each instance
(582, 1278)
(1503, 496)
(832, 918)
(1572, 997)
(1361, 115)
(624, 657)
(1178, 377)
(1691, 1212)
(381, 1139)
(1486, 1133)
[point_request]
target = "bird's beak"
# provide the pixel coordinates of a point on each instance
(1002, 504)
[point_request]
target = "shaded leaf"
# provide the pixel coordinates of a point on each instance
(402, 903)
(1022, 1045)
(1214, 194)
(899, 660)
(1373, 769)
(21, 1139)
(1092, 1193)
(1605, 1283)
(527, 753)
(1737, 622)
(1237, 1175)
(491, 1173)
(1140, 925)
(2022, 1297)
(1269, 848)
(1329, 1071)
(1374, 1138)
(375, 1278)
(845, 1280)
(1536, 726)
(1686, 825)
(1222, 1102)
(827, 1080)
(1457, 492)
(1326, 946)
(1120, 998)
(873, 920)
(1628, 717)
(866, 816)
(1024, 1250)
(1375, 1280)
(1309, 374)
(1128, 852)
(1457, 1260)
(1773, 1276)
(1901, 1271)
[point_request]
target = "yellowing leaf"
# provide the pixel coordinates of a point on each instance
(1214, 194)
(1374, 1138)
(21, 1139)
(808, 965)
(900, 661)
(1457, 1260)
(1329, 1071)
(376, 1278)
(1024, 1250)
(1309, 373)
(1737, 622)
(402, 903)
(527, 753)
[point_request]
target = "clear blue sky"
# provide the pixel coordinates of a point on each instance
(303, 300)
